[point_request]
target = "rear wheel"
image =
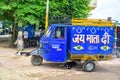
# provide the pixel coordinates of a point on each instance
(36, 60)
(69, 65)
(33, 43)
(88, 66)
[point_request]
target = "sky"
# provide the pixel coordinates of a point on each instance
(106, 8)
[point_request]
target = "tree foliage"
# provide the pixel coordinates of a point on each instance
(33, 11)
(74, 8)
(21, 12)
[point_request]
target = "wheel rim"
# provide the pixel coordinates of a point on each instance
(89, 67)
(68, 67)
(37, 60)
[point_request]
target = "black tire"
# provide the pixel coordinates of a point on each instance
(36, 60)
(33, 43)
(88, 66)
(69, 65)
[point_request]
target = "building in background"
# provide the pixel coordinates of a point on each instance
(93, 4)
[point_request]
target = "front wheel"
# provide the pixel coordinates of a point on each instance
(88, 66)
(36, 60)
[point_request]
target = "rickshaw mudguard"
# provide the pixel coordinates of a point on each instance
(36, 51)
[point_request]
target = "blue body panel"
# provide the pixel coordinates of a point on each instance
(58, 51)
(31, 31)
(107, 40)
(54, 49)
(74, 42)
(92, 40)
(89, 40)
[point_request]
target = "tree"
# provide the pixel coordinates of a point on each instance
(74, 8)
(33, 11)
(7, 16)
(20, 12)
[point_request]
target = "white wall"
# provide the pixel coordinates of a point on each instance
(107, 8)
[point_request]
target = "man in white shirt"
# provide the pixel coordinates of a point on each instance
(25, 38)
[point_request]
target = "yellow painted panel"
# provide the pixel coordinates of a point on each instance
(92, 22)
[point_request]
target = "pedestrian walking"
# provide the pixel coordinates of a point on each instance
(25, 38)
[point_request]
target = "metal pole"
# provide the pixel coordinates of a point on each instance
(47, 9)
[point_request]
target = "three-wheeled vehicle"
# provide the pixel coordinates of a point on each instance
(85, 41)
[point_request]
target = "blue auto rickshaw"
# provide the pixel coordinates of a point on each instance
(85, 41)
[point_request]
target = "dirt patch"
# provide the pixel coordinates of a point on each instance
(4, 44)
(20, 68)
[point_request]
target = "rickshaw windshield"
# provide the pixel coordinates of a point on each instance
(48, 32)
